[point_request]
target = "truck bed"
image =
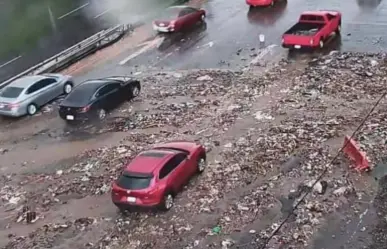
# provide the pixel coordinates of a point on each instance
(305, 29)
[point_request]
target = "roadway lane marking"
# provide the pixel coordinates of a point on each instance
(149, 45)
(10, 61)
(102, 13)
(74, 10)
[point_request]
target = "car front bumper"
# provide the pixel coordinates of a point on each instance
(162, 29)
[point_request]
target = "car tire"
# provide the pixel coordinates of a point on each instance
(32, 109)
(67, 88)
(201, 164)
(101, 114)
(135, 91)
(321, 43)
(168, 201)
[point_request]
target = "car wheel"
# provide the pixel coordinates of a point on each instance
(67, 88)
(201, 164)
(135, 91)
(168, 202)
(101, 113)
(32, 109)
(321, 43)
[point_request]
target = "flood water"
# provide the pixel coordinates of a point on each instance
(34, 30)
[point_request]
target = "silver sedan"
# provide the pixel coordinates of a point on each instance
(27, 94)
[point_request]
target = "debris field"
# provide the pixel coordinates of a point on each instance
(269, 137)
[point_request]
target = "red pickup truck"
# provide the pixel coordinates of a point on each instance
(313, 29)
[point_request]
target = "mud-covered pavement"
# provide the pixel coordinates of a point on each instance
(269, 131)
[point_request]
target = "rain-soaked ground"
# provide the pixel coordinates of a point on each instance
(42, 153)
(232, 31)
(229, 38)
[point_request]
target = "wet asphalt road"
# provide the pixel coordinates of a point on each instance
(231, 28)
(229, 39)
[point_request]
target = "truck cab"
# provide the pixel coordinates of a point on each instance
(312, 29)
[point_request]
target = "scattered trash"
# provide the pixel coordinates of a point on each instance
(204, 78)
(216, 230)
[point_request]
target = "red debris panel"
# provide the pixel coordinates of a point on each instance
(352, 150)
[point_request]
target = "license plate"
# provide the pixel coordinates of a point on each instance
(131, 199)
(70, 117)
(297, 46)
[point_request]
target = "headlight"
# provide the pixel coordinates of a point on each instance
(282, 40)
(311, 41)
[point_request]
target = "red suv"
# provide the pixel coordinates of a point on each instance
(154, 177)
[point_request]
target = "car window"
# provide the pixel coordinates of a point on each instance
(133, 182)
(171, 165)
(11, 92)
(185, 12)
(106, 89)
(312, 18)
(47, 82)
(35, 87)
(81, 94)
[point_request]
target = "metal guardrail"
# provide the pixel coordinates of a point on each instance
(74, 53)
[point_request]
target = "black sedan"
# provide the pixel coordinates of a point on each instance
(92, 99)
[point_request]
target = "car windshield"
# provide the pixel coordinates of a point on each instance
(11, 92)
(170, 13)
(81, 94)
(133, 182)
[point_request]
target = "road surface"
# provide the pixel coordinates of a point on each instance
(35, 147)
(230, 37)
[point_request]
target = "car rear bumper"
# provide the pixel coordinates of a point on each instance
(12, 113)
(296, 46)
(75, 116)
(132, 206)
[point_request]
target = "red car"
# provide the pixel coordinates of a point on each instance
(154, 177)
(260, 3)
(313, 29)
(178, 18)
(268, 16)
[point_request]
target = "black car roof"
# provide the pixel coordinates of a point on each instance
(92, 85)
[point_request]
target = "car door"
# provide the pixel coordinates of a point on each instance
(50, 89)
(193, 15)
(185, 18)
(34, 93)
(107, 96)
(333, 22)
(172, 171)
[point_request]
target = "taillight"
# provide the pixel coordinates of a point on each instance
(84, 109)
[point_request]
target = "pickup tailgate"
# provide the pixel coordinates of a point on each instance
(293, 40)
